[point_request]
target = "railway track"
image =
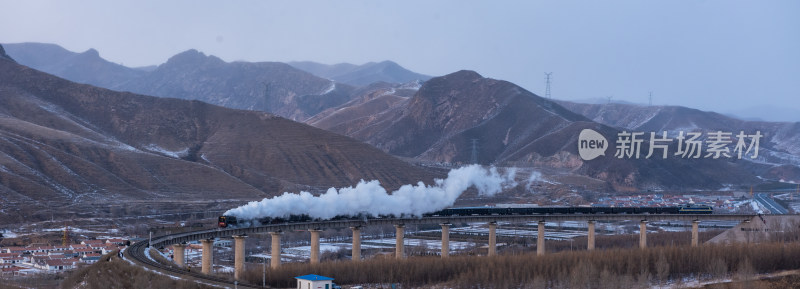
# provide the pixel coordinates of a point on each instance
(136, 252)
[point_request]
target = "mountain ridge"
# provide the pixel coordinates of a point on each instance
(4, 55)
(69, 143)
(361, 75)
(510, 127)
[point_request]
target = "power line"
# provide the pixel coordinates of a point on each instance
(547, 85)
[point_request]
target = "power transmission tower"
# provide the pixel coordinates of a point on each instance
(474, 157)
(651, 99)
(609, 98)
(547, 85)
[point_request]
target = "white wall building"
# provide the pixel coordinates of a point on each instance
(314, 282)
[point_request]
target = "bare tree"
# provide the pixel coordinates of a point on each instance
(717, 269)
(745, 274)
(662, 269)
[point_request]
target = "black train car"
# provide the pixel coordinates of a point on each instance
(231, 221)
(489, 211)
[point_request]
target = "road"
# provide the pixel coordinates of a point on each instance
(770, 204)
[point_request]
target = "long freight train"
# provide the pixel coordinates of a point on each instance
(232, 221)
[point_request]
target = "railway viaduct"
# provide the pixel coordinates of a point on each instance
(206, 237)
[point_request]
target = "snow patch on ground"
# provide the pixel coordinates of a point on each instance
(692, 127)
(756, 207)
(125, 147)
(388, 92)
(175, 154)
(414, 85)
(330, 88)
(795, 160)
(72, 230)
(8, 234)
(147, 253)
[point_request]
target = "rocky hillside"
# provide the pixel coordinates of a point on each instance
(64, 143)
(440, 120)
(444, 118)
(367, 104)
(362, 75)
(509, 126)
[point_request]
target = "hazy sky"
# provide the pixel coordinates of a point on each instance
(726, 56)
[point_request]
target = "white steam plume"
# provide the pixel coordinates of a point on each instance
(371, 199)
(535, 177)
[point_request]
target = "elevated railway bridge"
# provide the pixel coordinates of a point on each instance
(206, 237)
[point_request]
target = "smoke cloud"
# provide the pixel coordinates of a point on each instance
(535, 177)
(370, 198)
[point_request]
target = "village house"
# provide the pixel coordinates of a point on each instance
(13, 250)
(60, 264)
(83, 251)
(314, 282)
(10, 271)
(90, 258)
(116, 241)
(15, 261)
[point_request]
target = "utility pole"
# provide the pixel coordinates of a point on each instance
(547, 85)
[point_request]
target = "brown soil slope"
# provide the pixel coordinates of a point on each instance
(62, 141)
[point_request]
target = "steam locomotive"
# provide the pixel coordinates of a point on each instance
(232, 221)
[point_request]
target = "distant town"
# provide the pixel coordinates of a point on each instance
(38, 258)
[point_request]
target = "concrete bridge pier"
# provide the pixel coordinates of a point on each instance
(314, 245)
(398, 247)
(238, 256)
(695, 233)
(445, 240)
(356, 243)
(275, 251)
(643, 234)
(179, 254)
(590, 236)
(540, 239)
(208, 253)
(492, 239)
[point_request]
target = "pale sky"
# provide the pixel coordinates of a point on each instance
(727, 56)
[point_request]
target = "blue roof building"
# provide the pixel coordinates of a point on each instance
(312, 281)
